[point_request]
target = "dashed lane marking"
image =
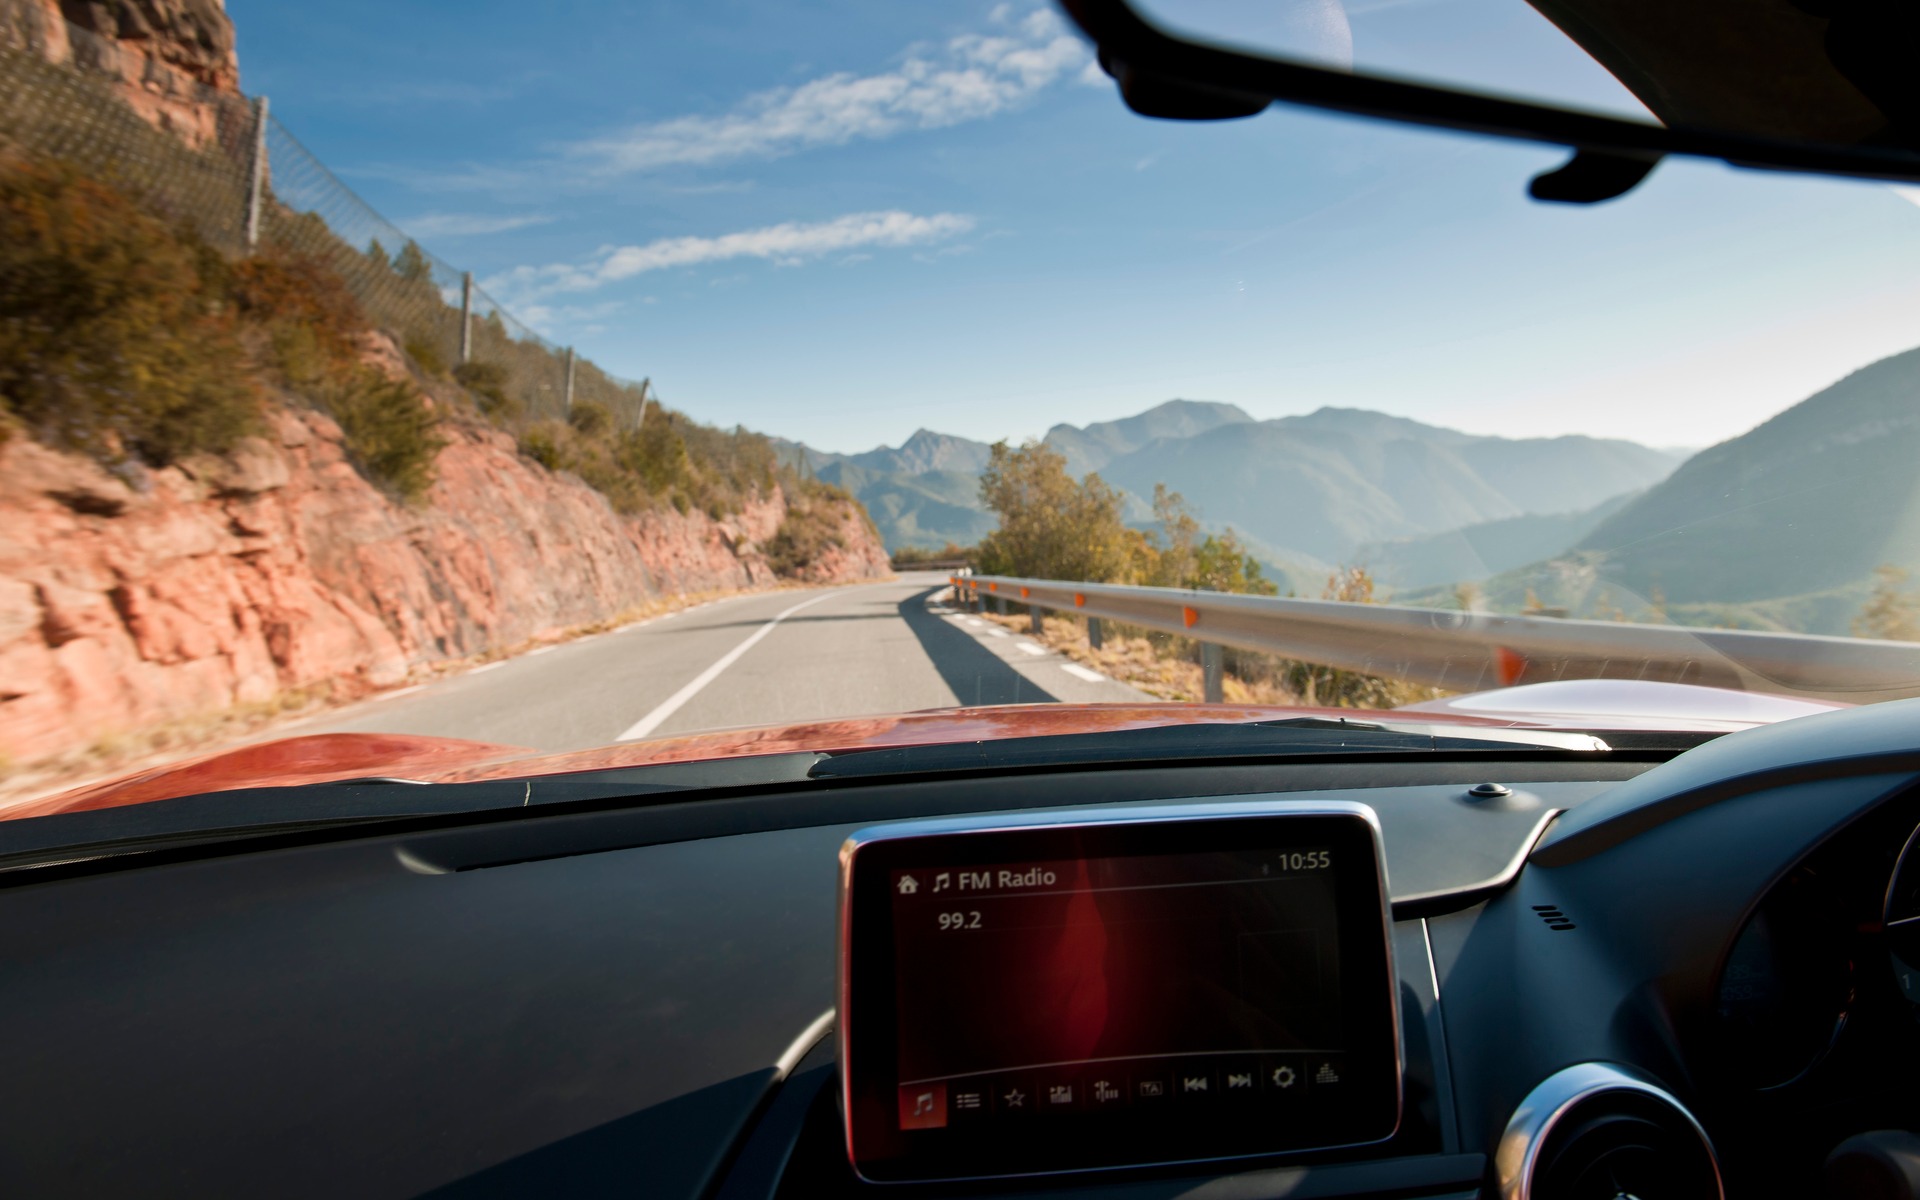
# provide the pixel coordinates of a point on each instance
(653, 720)
(1080, 672)
(996, 631)
(1029, 647)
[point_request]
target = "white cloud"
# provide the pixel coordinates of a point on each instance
(430, 225)
(786, 244)
(970, 77)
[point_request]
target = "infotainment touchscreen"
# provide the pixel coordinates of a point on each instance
(1126, 988)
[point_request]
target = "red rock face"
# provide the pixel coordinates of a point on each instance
(125, 603)
(172, 61)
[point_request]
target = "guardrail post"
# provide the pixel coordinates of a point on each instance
(466, 316)
(257, 183)
(1093, 633)
(1034, 623)
(1212, 667)
(1000, 605)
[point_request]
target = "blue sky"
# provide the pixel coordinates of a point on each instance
(843, 220)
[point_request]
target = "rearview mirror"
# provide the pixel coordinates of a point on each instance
(1820, 86)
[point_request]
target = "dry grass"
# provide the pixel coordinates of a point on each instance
(1147, 662)
(1167, 668)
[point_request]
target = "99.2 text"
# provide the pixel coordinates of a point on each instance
(959, 920)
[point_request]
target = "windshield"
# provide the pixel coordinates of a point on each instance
(572, 383)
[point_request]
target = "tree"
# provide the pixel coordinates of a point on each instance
(412, 264)
(1891, 613)
(1050, 526)
(1177, 556)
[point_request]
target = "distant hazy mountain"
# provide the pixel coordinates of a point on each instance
(927, 509)
(925, 451)
(1811, 500)
(1092, 448)
(1780, 527)
(1475, 552)
(1324, 484)
(1307, 491)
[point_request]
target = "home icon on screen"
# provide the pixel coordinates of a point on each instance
(908, 885)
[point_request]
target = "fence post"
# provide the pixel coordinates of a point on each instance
(257, 182)
(1093, 633)
(466, 316)
(569, 380)
(1211, 664)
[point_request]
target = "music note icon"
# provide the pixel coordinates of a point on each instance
(941, 881)
(923, 1106)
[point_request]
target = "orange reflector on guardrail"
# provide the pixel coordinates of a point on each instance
(1508, 666)
(1079, 601)
(1189, 616)
(1024, 593)
(993, 587)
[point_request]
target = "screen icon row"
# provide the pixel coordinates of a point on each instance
(1141, 1084)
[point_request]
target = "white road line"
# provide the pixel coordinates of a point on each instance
(976, 622)
(541, 650)
(1080, 672)
(489, 666)
(996, 631)
(1029, 647)
(653, 720)
(406, 691)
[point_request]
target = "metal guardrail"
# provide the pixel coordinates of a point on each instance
(1468, 651)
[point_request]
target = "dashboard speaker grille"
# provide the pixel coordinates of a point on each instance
(1555, 919)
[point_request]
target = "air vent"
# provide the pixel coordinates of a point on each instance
(1598, 1129)
(1555, 919)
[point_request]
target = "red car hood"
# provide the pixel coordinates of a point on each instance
(321, 758)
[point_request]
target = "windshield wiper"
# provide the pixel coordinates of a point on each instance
(1296, 736)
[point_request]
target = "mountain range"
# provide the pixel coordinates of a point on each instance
(1780, 527)
(1305, 491)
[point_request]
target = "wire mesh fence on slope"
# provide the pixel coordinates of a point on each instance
(199, 169)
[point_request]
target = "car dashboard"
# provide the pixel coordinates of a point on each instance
(1696, 971)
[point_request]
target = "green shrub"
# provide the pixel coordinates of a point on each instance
(488, 383)
(590, 419)
(391, 432)
(811, 528)
(540, 445)
(114, 340)
(424, 350)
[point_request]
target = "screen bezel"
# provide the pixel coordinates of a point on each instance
(867, 1037)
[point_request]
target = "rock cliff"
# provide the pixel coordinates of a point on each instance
(131, 599)
(171, 61)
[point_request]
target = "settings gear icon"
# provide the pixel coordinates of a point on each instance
(1283, 1077)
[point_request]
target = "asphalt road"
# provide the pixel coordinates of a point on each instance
(749, 660)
